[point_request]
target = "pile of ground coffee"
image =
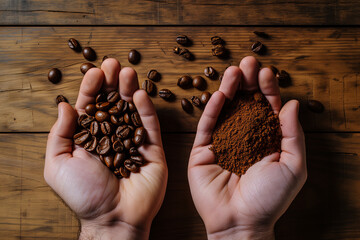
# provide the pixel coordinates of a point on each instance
(247, 130)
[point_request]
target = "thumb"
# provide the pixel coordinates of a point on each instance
(293, 142)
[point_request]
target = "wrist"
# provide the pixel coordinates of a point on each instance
(240, 233)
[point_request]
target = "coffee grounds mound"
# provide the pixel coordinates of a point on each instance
(247, 130)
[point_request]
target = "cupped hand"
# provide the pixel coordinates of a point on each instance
(107, 206)
(247, 207)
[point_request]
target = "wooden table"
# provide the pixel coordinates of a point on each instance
(317, 43)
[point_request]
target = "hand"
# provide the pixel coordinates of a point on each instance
(107, 207)
(247, 207)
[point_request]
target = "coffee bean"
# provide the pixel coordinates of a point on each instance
(186, 105)
(109, 161)
(315, 106)
(262, 34)
(101, 97)
(94, 128)
(114, 138)
(199, 82)
(138, 160)
(86, 66)
(216, 40)
(74, 45)
(87, 121)
(123, 131)
(118, 146)
(119, 159)
(154, 75)
(81, 137)
(54, 75)
(114, 110)
(136, 120)
(104, 146)
(117, 173)
(102, 116)
(124, 172)
(116, 120)
(205, 97)
(89, 54)
(185, 82)
(133, 151)
(106, 128)
(113, 97)
(283, 78)
(131, 107)
(90, 109)
(122, 105)
(196, 101)
(210, 72)
(176, 50)
(131, 166)
(139, 136)
(218, 50)
(257, 47)
(166, 94)
(91, 145)
(60, 98)
(81, 118)
(273, 69)
(127, 119)
(127, 144)
(102, 106)
(149, 87)
(182, 40)
(185, 53)
(134, 56)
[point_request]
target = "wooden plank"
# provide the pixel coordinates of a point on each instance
(328, 207)
(323, 63)
(183, 12)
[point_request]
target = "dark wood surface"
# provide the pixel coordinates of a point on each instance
(321, 53)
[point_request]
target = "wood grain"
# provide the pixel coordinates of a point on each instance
(323, 63)
(328, 207)
(179, 12)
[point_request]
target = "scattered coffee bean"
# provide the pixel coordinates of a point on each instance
(185, 82)
(124, 172)
(283, 78)
(273, 69)
(149, 87)
(134, 56)
(186, 105)
(210, 72)
(54, 75)
(176, 50)
(136, 120)
(89, 54)
(109, 161)
(81, 137)
(128, 144)
(87, 121)
(131, 166)
(185, 53)
(131, 107)
(102, 106)
(60, 98)
(106, 128)
(182, 40)
(81, 118)
(113, 97)
(154, 75)
(218, 50)
(118, 146)
(90, 109)
(127, 118)
(216, 40)
(257, 47)
(262, 34)
(74, 45)
(315, 106)
(91, 145)
(102, 116)
(166, 94)
(86, 66)
(122, 105)
(104, 146)
(119, 159)
(94, 128)
(139, 136)
(199, 82)
(205, 97)
(101, 97)
(116, 120)
(138, 160)
(133, 151)
(114, 111)
(123, 131)
(196, 101)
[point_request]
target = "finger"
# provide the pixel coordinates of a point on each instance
(148, 116)
(270, 88)
(250, 68)
(111, 68)
(60, 139)
(231, 82)
(208, 119)
(128, 83)
(89, 88)
(293, 142)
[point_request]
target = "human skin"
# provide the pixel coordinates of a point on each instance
(247, 207)
(108, 207)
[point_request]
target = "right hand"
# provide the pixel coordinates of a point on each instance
(247, 207)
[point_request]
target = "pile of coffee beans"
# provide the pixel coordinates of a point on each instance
(112, 128)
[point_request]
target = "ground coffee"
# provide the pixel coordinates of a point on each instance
(247, 130)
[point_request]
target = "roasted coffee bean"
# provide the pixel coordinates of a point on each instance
(154, 75)
(102, 159)
(166, 94)
(210, 72)
(133, 151)
(134, 56)
(119, 159)
(101, 97)
(257, 47)
(186, 105)
(131, 107)
(117, 173)
(114, 110)
(94, 128)
(176, 50)
(60, 98)
(54, 75)
(122, 105)
(106, 128)
(114, 138)
(185, 82)
(118, 146)
(123, 131)
(136, 120)
(218, 50)
(262, 34)
(124, 172)
(116, 120)
(81, 118)
(104, 146)
(102, 106)
(87, 121)
(199, 82)
(283, 78)
(139, 136)
(216, 40)
(74, 45)
(138, 160)
(131, 166)
(205, 97)
(90, 109)
(102, 116)
(196, 101)
(185, 53)
(105, 57)
(86, 66)
(109, 161)
(81, 137)
(113, 97)
(182, 40)
(315, 106)
(127, 118)
(149, 87)
(89, 54)
(127, 144)
(91, 145)
(273, 69)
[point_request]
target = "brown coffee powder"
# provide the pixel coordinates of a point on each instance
(247, 130)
